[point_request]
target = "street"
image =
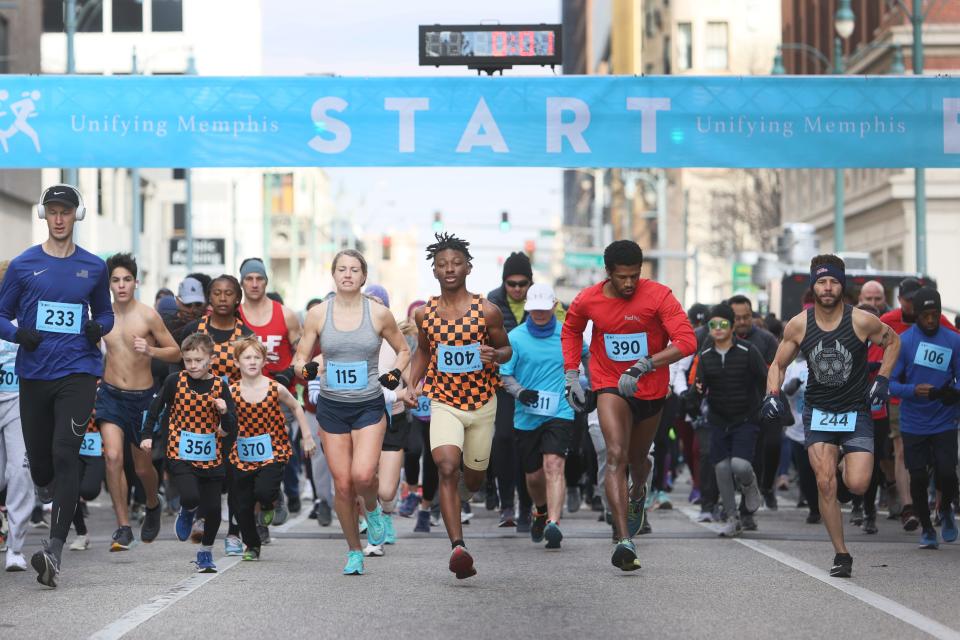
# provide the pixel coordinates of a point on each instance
(769, 583)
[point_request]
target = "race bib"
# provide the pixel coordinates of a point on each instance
(547, 404)
(255, 448)
(933, 356)
(422, 410)
(835, 422)
(92, 445)
(9, 381)
(625, 347)
(463, 359)
(198, 447)
(59, 317)
(347, 375)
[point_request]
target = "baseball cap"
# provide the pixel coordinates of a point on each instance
(191, 291)
(540, 297)
(925, 299)
(63, 194)
(909, 288)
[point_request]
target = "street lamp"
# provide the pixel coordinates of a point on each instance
(844, 21)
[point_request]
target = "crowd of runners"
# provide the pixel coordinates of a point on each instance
(219, 394)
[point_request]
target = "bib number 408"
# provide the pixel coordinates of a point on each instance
(458, 358)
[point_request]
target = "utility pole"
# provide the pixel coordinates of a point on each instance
(70, 26)
(919, 174)
(188, 179)
(137, 210)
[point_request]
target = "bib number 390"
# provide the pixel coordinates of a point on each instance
(59, 317)
(933, 356)
(459, 359)
(834, 422)
(198, 447)
(625, 347)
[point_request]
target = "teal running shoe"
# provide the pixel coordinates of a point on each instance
(232, 546)
(625, 556)
(636, 515)
(354, 566)
(376, 528)
(362, 525)
(948, 525)
(553, 535)
(390, 537)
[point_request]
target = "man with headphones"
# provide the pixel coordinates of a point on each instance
(59, 296)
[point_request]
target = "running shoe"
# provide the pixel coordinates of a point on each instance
(46, 565)
(928, 539)
(466, 512)
(196, 533)
(294, 505)
(492, 501)
(15, 561)
(376, 529)
(506, 518)
(45, 494)
(354, 566)
(664, 500)
(730, 529)
(480, 497)
(373, 551)
(705, 516)
(280, 511)
(870, 524)
(856, 515)
(538, 526)
(150, 528)
(813, 517)
(232, 546)
(266, 517)
(324, 514)
(948, 525)
(391, 533)
(748, 522)
(553, 535)
(264, 533)
(80, 543)
(770, 500)
(909, 521)
(636, 515)
(625, 556)
(465, 493)
(136, 511)
(694, 497)
(251, 554)
(842, 566)
(122, 539)
(752, 498)
(524, 521)
(573, 499)
(423, 522)
(185, 523)
(204, 562)
(313, 512)
(461, 563)
(408, 505)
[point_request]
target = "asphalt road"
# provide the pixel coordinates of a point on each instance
(769, 584)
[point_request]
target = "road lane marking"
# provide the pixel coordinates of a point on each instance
(136, 617)
(886, 605)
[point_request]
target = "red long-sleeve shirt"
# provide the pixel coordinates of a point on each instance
(652, 311)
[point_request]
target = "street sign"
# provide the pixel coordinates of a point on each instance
(206, 251)
(583, 260)
(742, 276)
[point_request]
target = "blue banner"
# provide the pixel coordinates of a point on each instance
(569, 121)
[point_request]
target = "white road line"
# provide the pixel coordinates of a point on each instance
(875, 600)
(136, 617)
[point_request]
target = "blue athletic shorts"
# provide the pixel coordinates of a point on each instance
(860, 439)
(338, 417)
(126, 409)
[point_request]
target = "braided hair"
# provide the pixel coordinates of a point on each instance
(449, 241)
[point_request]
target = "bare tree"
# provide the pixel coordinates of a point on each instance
(747, 215)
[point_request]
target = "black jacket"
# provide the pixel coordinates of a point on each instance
(499, 297)
(734, 382)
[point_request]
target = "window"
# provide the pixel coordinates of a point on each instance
(717, 46)
(89, 16)
(684, 46)
(666, 56)
(179, 218)
(179, 174)
(52, 16)
(168, 15)
(127, 15)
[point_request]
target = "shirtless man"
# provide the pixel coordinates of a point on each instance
(125, 394)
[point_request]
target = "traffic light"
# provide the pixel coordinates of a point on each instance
(529, 247)
(437, 222)
(505, 221)
(385, 247)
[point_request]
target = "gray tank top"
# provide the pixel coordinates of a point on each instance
(350, 359)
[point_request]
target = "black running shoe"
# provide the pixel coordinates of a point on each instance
(748, 521)
(47, 566)
(870, 524)
(537, 527)
(856, 515)
(122, 539)
(150, 528)
(842, 566)
(45, 494)
(264, 533)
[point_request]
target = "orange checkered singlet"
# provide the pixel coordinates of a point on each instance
(258, 418)
(194, 412)
(222, 363)
(467, 391)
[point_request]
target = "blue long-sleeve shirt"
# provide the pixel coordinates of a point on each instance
(66, 292)
(926, 360)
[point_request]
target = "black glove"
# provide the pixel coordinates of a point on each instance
(390, 380)
(879, 391)
(285, 377)
(948, 395)
(29, 339)
(690, 401)
(590, 404)
(310, 370)
(529, 397)
(772, 408)
(94, 331)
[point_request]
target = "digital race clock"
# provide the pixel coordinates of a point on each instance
(490, 46)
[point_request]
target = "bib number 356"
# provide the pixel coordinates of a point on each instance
(198, 447)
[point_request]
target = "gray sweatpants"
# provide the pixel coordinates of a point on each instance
(322, 480)
(15, 472)
(731, 473)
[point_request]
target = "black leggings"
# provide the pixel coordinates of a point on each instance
(431, 477)
(412, 451)
(251, 487)
(199, 491)
(92, 471)
(54, 416)
(807, 478)
(573, 468)
(661, 442)
(504, 466)
(766, 455)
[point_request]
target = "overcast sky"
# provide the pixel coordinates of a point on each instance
(379, 38)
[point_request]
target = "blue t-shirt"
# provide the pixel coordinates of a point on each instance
(66, 292)
(537, 363)
(926, 360)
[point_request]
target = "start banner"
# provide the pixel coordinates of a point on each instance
(567, 121)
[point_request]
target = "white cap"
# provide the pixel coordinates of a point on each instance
(540, 297)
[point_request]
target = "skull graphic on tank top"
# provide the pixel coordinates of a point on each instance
(831, 366)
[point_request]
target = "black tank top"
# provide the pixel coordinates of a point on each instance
(837, 365)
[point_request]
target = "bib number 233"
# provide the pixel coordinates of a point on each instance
(59, 317)
(459, 359)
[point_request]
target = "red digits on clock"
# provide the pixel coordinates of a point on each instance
(498, 47)
(527, 43)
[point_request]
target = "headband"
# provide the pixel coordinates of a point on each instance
(253, 265)
(824, 270)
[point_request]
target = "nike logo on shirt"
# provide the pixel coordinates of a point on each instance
(36, 273)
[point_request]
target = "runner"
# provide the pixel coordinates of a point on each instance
(351, 411)
(633, 320)
(125, 393)
(263, 444)
(925, 378)
(460, 343)
(732, 374)
(202, 416)
(92, 473)
(60, 297)
(543, 419)
(872, 293)
(832, 335)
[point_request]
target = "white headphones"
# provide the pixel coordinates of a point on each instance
(81, 208)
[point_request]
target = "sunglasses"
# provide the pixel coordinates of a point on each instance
(514, 284)
(719, 324)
